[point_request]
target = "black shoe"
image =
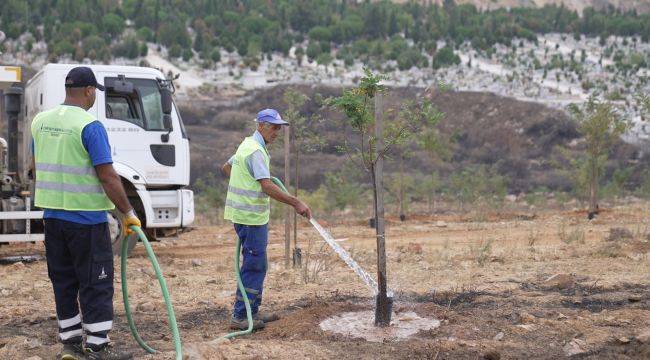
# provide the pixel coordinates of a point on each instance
(108, 352)
(242, 324)
(72, 352)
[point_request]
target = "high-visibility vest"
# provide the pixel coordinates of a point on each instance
(65, 176)
(246, 203)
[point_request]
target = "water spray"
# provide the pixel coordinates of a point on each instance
(345, 256)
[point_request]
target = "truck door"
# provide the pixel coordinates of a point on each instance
(134, 122)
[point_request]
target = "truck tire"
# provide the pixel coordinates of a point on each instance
(117, 233)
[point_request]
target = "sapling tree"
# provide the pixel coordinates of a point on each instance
(428, 186)
(421, 118)
(438, 147)
(601, 125)
(368, 150)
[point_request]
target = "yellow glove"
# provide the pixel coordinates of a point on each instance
(130, 219)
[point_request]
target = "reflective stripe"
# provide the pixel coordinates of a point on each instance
(75, 170)
(70, 334)
(70, 322)
(248, 193)
(96, 340)
(100, 326)
(252, 208)
(252, 291)
(74, 188)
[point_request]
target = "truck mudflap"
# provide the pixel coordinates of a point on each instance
(167, 208)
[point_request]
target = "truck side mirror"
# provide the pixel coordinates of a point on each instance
(167, 124)
(166, 100)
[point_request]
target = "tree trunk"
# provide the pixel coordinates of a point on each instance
(431, 195)
(401, 186)
(295, 215)
(593, 188)
(383, 304)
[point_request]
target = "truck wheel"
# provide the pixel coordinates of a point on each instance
(117, 233)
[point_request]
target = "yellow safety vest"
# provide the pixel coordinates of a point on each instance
(65, 176)
(246, 203)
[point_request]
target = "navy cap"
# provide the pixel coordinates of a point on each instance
(82, 76)
(270, 116)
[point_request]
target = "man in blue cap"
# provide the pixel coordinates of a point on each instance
(75, 185)
(248, 206)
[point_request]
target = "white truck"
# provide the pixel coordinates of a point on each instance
(149, 146)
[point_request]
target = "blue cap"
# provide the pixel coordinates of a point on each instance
(270, 116)
(82, 76)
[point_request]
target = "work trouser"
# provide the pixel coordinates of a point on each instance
(80, 266)
(254, 239)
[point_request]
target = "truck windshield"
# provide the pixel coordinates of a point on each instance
(141, 107)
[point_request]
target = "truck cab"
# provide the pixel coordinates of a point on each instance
(149, 145)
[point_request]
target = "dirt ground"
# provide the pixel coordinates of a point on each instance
(509, 286)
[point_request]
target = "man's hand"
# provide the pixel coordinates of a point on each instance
(276, 193)
(303, 209)
(130, 219)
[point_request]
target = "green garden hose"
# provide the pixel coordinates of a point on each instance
(163, 287)
(240, 284)
(279, 183)
(242, 290)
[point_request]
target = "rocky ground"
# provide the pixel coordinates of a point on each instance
(506, 285)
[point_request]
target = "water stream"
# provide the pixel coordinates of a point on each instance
(345, 256)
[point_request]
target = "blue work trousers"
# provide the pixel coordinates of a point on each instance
(80, 266)
(254, 239)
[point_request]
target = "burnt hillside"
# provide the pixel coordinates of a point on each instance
(519, 140)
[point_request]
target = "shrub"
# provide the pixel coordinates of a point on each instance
(113, 24)
(445, 57)
(63, 47)
(175, 51)
(128, 48)
(144, 34)
(187, 54)
(215, 55)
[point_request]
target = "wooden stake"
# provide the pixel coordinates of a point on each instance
(287, 211)
(382, 312)
(296, 180)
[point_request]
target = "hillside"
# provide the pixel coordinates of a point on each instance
(187, 29)
(641, 6)
(520, 141)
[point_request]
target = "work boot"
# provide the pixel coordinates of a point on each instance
(107, 352)
(242, 324)
(266, 317)
(72, 352)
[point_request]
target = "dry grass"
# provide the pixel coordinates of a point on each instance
(484, 277)
(571, 235)
(482, 253)
(314, 263)
(533, 237)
